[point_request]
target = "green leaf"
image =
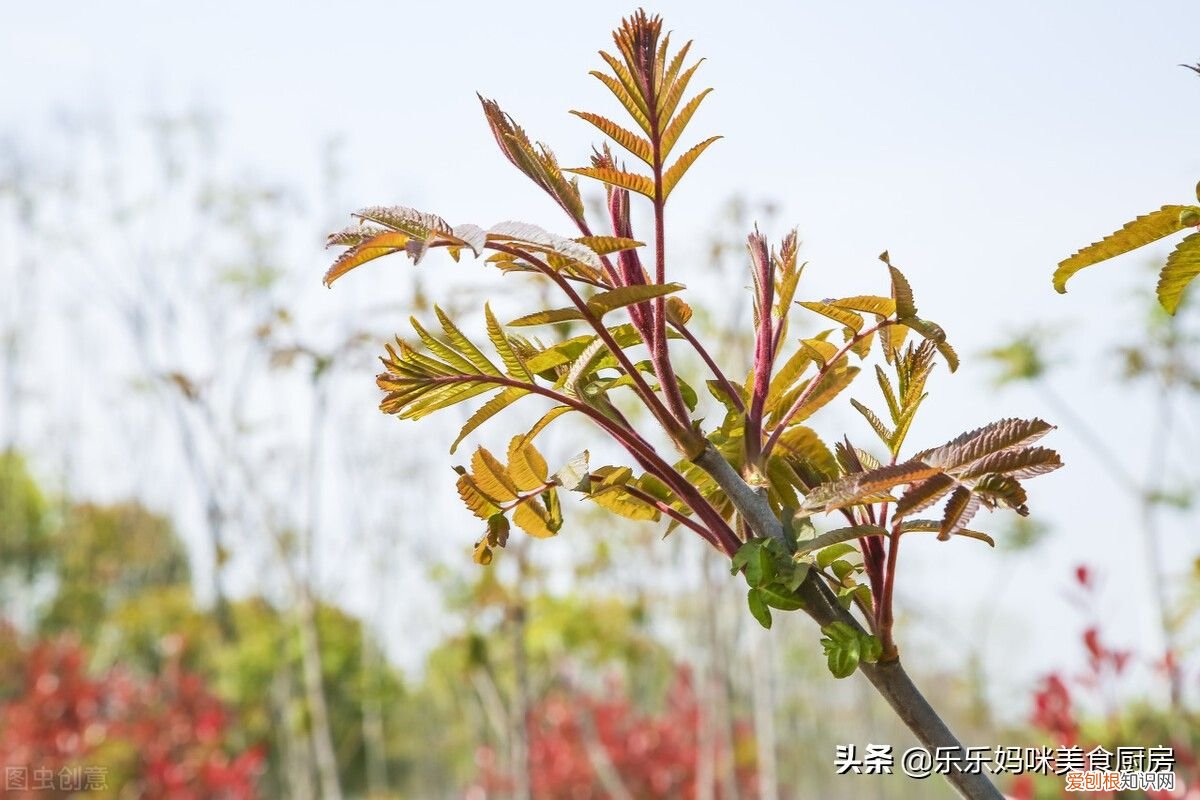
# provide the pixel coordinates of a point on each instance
(832, 383)
(778, 596)
(783, 383)
(1138, 233)
(609, 493)
(834, 542)
(613, 299)
(821, 351)
(869, 304)
(465, 345)
(935, 526)
(843, 569)
(758, 607)
(843, 648)
(513, 364)
(833, 550)
(902, 294)
(870, 648)
(1183, 264)
(760, 567)
(547, 317)
(443, 350)
(742, 557)
(625, 336)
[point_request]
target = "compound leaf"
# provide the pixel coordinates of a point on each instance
(1138, 233)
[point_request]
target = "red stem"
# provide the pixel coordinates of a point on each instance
(673, 426)
(734, 395)
(886, 618)
(722, 537)
(814, 383)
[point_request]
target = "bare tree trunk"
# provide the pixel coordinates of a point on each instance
(1147, 517)
(297, 776)
(374, 733)
(522, 788)
(320, 737)
(310, 644)
(601, 764)
(763, 688)
(706, 778)
(729, 777)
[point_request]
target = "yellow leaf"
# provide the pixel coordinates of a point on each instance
(620, 297)
(641, 184)
(676, 171)
(526, 466)
(633, 105)
(821, 350)
(842, 315)
(376, 247)
(622, 136)
(675, 129)
(474, 499)
(491, 477)
(605, 245)
(669, 101)
(870, 304)
(531, 517)
(1182, 265)
(1141, 231)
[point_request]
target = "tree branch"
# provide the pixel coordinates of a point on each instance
(734, 395)
(888, 677)
(675, 426)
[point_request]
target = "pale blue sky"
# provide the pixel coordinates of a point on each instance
(978, 142)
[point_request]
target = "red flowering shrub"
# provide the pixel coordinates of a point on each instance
(575, 736)
(1057, 713)
(163, 737)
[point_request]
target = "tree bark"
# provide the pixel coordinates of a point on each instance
(314, 694)
(763, 693)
